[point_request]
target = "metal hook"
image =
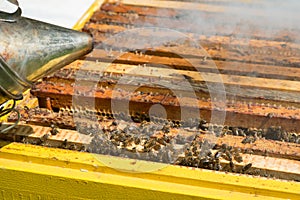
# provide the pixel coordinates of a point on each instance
(7, 111)
(11, 17)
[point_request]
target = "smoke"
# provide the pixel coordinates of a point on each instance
(244, 32)
(271, 17)
(238, 18)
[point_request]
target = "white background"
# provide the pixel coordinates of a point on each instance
(60, 12)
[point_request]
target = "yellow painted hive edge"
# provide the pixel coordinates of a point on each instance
(88, 14)
(39, 172)
(56, 169)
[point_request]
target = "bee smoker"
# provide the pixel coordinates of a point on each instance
(31, 49)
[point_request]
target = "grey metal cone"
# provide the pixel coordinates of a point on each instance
(31, 49)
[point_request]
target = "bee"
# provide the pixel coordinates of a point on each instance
(188, 154)
(54, 129)
(137, 140)
(180, 161)
(231, 165)
(73, 147)
(166, 138)
(217, 166)
(203, 125)
(161, 141)
(238, 158)
(249, 151)
(195, 149)
(149, 145)
(218, 155)
(224, 147)
(83, 148)
(128, 141)
(246, 168)
(44, 137)
(114, 123)
(115, 142)
(249, 140)
(156, 147)
(65, 143)
(204, 162)
(166, 128)
(227, 155)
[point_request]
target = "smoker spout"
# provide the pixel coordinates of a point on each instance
(31, 49)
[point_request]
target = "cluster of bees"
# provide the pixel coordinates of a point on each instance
(253, 134)
(147, 128)
(250, 134)
(154, 142)
(147, 141)
(203, 154)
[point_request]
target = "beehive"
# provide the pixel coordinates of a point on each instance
(239, 90)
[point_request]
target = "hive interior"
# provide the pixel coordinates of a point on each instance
(193, 84)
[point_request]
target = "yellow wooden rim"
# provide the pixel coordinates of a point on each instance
(87, 15)
(31, 165)
(35, 172)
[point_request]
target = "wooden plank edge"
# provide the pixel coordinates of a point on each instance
(53, 168)
(88, 14)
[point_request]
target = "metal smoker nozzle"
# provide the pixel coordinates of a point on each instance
(31, 49)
